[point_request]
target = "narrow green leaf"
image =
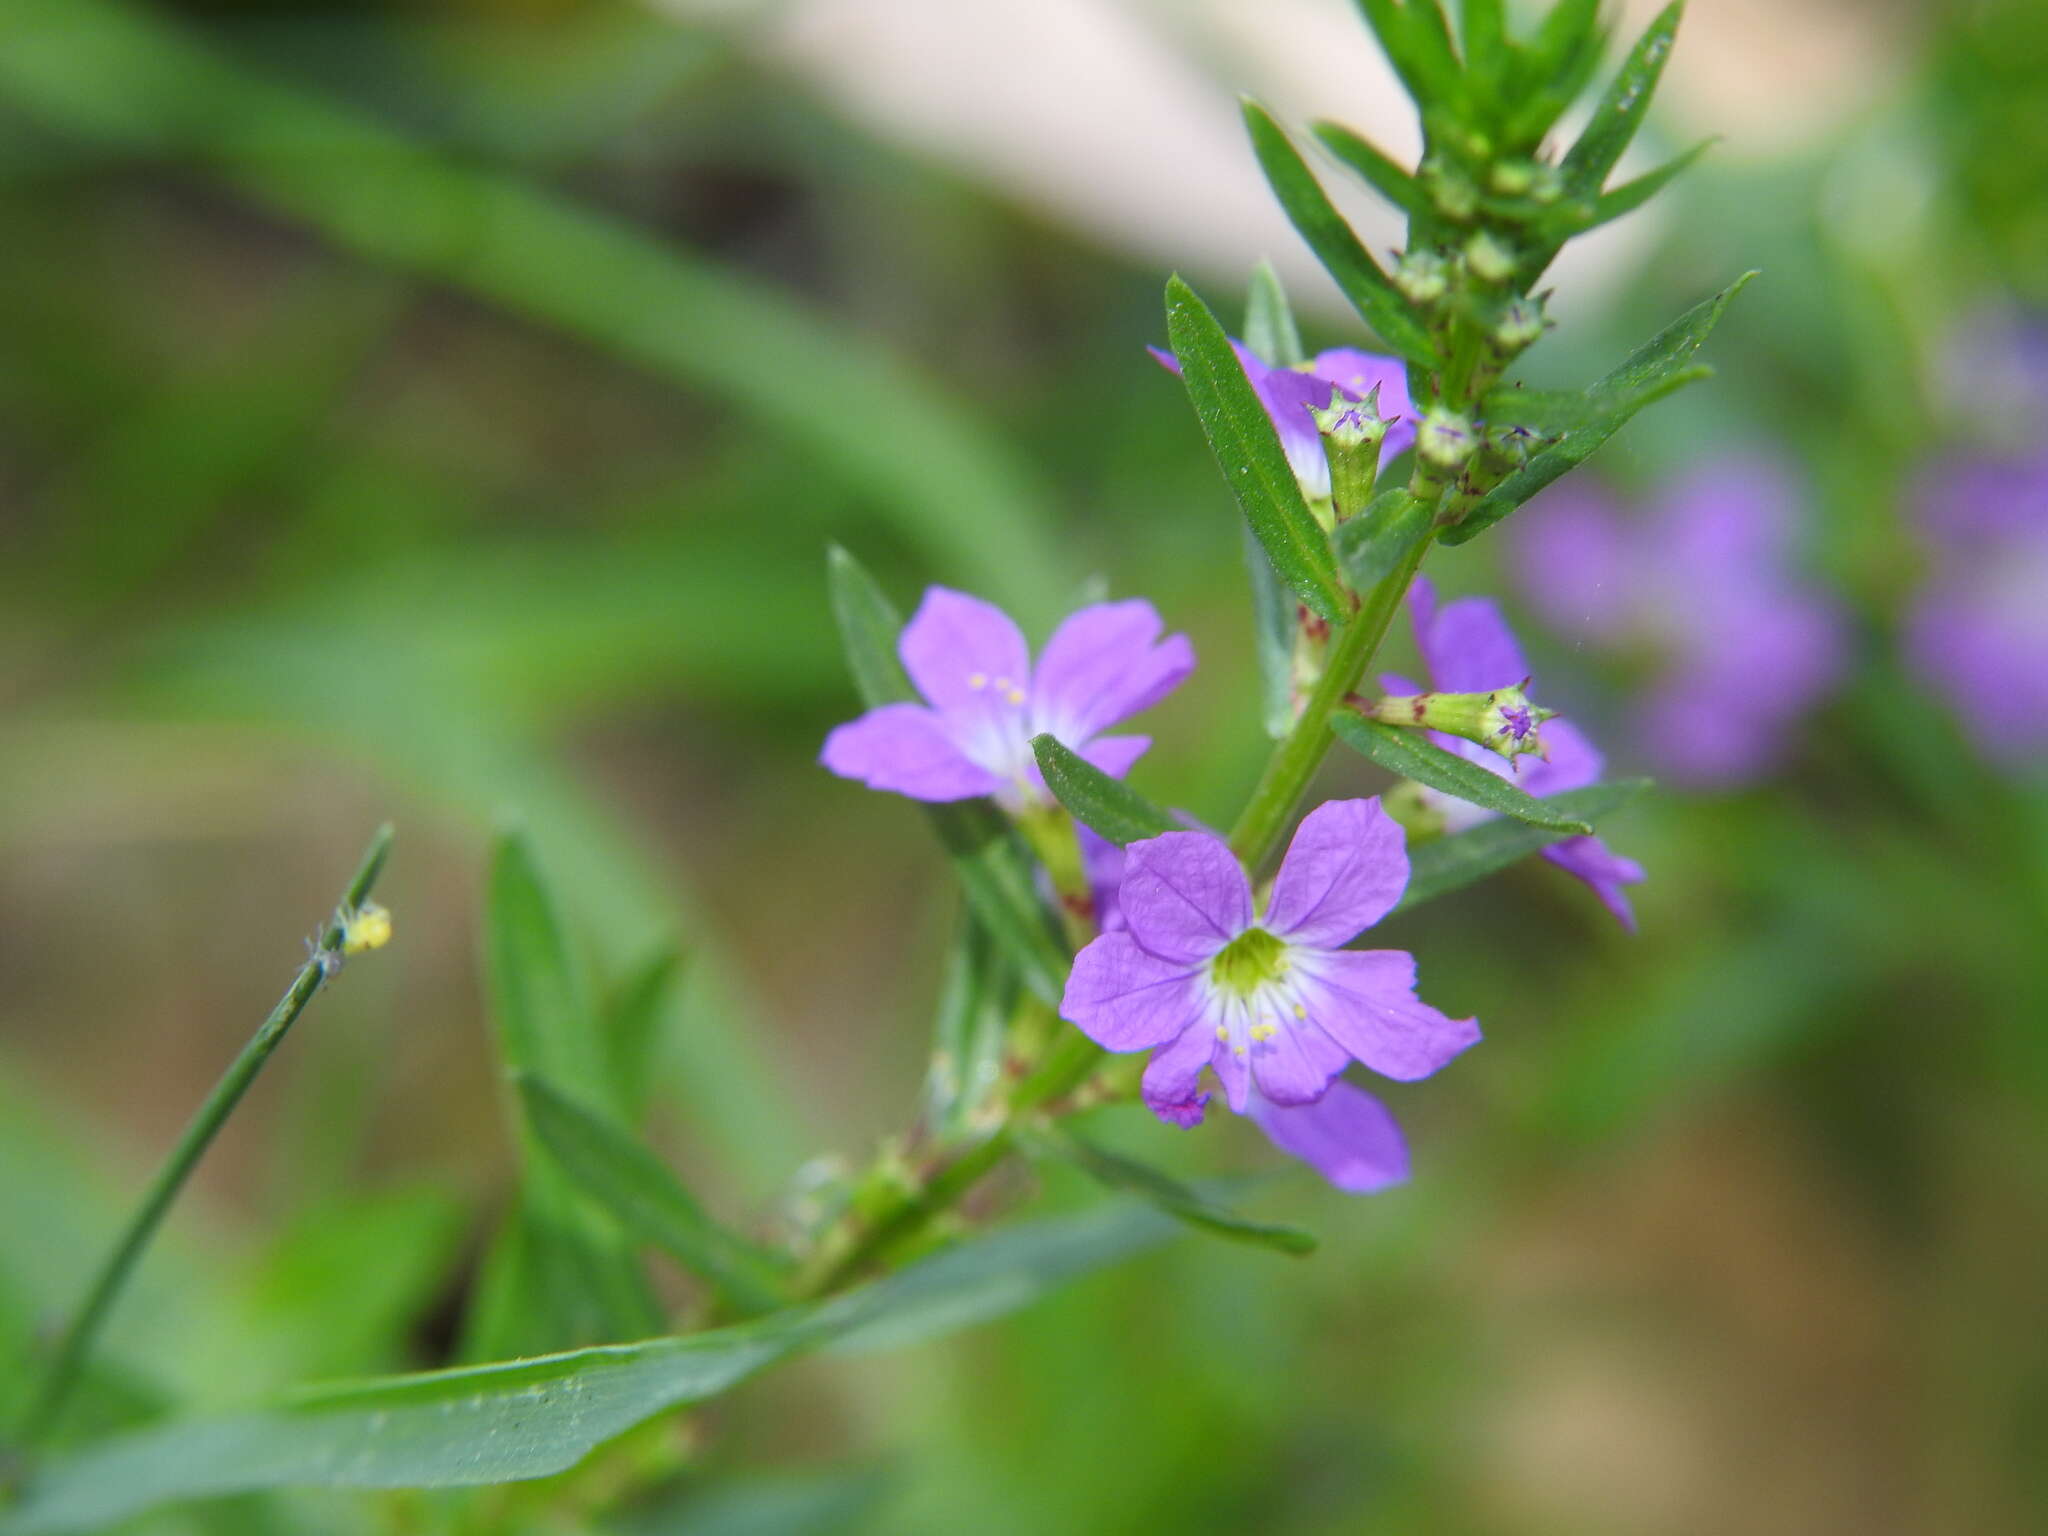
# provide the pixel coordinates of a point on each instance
(1450, 863)
(629, 1181)
(1622, 109)
(1128, 1176)
(1373, 544)
(1658, 367)
(994, 871)
(1376, 169)
(1107, 806)
(1552, 71)
(868, 627)
(969, 1031)
(582, 1280)
(634, 1018)
(1242, 437)
(1485, 36)
(1269, 328)
(1624, 199)
(1542, 410)
(1379, 303)
(1412, 756)
(532, 1418)
(1418, 48)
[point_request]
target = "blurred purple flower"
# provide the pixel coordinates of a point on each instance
(1978, 631)
(1289, 394)
(1270, 1002)
(984, 700)
(1468, 648)
(1708, 583)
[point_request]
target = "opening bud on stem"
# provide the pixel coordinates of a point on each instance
(1503, 720)
(1352, 433)
(1445, 437)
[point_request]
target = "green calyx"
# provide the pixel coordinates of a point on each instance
(1502, 719)
(1248, 962)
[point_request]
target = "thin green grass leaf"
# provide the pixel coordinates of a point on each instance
(1129, 1176)
(1622, 108)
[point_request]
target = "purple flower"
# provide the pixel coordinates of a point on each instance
(1271, 1002)
(1289, 394)
(1978, 631)
(984, 700)
(1707, 584)
(1468, 648)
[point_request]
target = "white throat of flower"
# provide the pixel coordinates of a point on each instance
(1252, 990)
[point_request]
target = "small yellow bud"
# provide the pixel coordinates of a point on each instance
(367, 927)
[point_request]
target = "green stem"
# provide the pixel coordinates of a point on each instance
(1301, 752)
(77, 1342)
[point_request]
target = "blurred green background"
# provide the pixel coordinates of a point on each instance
(439, 411)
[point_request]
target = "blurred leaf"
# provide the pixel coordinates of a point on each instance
(525, 1419)
(1378, 171)
(1247, 448)
(1418, 46)
(340, 1289)
(1652, 371)
(572, 1277)
(1269, 328)
(1621, 110)
(1108, 807)
(995, 872)
(970, 1028)
(839, 1500)
(1485, 33)
(1554, 69)
(633, 1018)
(1410, 755)
(1372, 545)
(125, 77)
(1129, 1176)
(1337, 247)
(629, 1181)
(1437, 868)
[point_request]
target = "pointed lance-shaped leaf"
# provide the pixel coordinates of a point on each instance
(1376, 169)
(1108, 807)
(1622, 108)
(1658, 367)
(1129, 1176)
(992, 869)
(1336, 245)
(1270, 331)
(1419, 48)
(1552, 70)
(1247, 447)
(648, 1201)
(1451, 863)
(1410, 755)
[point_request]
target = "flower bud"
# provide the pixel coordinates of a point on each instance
(1445, 438)
(1514, 178)
(1520, 323)
(1490, 260)
(1352, 433)
(1503, 720)
(1422, 276)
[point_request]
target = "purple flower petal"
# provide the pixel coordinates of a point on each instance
(1296, 1064)
(1365, 1000)
(1115, 755)
(1345, 869)
(963, 653)
(1234, 1073)
(1289, 395)
(905, 748)
(1105, 664)
(1347, 1136)
(1103, 863)
(1184, 895)
(1466, 644)
(1606, 872)
(1171, 1076)
(1125, 998)
(1577, 564)
(1573, 761)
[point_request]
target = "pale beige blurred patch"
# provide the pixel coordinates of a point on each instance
(1119, 117)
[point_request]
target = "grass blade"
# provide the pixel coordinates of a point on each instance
(1451, 863)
